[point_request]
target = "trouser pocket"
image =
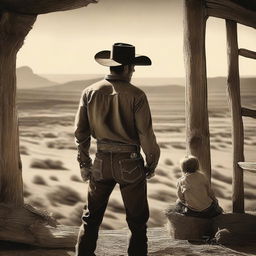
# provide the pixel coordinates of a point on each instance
(131, 169)
(97, 169)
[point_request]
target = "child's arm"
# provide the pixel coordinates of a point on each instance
(180, 195)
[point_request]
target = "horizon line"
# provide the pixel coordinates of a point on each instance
(135, 76)
(145, 77)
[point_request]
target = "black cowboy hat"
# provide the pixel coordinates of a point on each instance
(122, 54)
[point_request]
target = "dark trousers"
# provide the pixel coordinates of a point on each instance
(212, 211)
(126, 169)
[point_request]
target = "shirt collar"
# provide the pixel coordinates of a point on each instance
(116, 77)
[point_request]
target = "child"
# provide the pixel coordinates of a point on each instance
(195, 196)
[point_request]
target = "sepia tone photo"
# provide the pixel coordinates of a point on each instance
(127, 127)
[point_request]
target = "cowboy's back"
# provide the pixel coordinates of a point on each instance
(118, 112)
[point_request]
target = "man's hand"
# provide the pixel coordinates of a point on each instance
(149, 173)
(85, 173)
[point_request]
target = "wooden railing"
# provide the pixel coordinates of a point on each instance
(249, 112)
(248, 166)
(247, 53)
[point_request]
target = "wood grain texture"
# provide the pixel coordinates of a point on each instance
(197, 122)
(233, 84)
(13, 29)
(247, 53)
(29, 226)
(230, 10)
(42, 6)
(248, 4)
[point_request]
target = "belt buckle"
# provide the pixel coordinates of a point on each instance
(133, 155)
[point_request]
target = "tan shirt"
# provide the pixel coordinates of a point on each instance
(114, 110)
(194, 190)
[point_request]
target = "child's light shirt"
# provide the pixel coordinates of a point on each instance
(194, 190)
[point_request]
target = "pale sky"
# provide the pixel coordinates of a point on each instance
(66, 42)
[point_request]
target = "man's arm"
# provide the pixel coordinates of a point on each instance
(146, 134)
(83, 134)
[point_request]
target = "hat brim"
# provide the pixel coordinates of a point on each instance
(104, 59)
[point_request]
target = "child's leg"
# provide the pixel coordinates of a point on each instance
(213, 211)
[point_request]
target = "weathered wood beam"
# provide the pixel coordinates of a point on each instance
(227, 9)
(247, 53)
(13, 30)
(27, 225)
(249, 112)
(248, 166)
(197, 122)
(233, 84)
(248, 4)
(42, 6)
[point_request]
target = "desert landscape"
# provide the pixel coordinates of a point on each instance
(51, 173)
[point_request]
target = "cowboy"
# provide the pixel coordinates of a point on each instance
(117, 115)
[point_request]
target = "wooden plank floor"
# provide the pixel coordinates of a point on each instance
(114, 243)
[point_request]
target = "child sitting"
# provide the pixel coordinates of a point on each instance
(195, 196)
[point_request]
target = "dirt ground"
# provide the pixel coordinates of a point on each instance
(115, 242)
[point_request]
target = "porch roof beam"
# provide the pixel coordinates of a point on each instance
(34, 7)
(229, 10)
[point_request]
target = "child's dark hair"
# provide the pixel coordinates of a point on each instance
(189, 164)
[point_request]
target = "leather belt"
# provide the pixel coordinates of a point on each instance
(117, 147)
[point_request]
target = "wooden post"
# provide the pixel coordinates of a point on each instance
(13, 29)
(197, 123)
(16, 20)
(233, 83)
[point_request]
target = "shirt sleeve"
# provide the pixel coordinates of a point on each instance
(83, 133)
(180, 195)
(146, 134)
